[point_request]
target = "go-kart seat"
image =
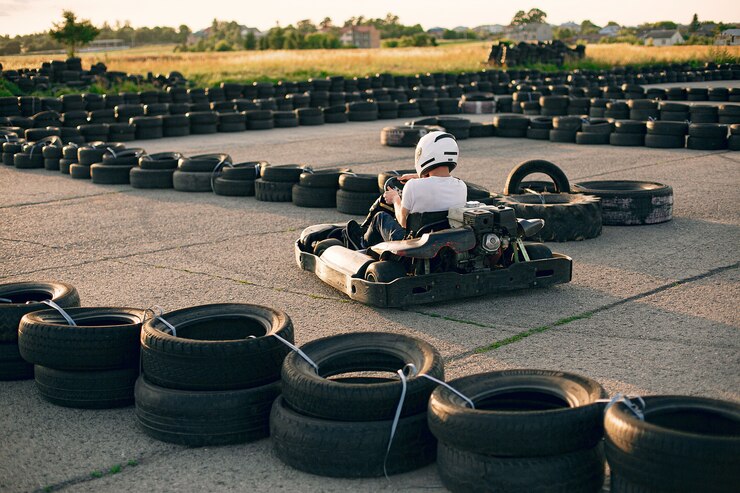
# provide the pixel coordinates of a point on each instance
(418, 223)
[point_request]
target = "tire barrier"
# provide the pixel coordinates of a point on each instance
(17, 300)
(210, 373)
(322, 415)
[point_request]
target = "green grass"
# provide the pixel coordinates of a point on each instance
(537, 330)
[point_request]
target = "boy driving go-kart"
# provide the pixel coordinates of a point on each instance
(422, 242)
(432, 189)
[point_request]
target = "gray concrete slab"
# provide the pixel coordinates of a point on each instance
(650, 309)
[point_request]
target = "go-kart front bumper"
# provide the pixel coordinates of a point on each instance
(430, 288)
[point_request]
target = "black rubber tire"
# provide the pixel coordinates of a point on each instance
(187, 181)
(685, 444)
(202, 163)
(51, 152)
(12, 366)
(233, 188)
(586, 138)
(630, 127)
(273, 191)
(467, 472)
(708, 130)
(287, 173)
(336, 117)
(362, 116)
(104, 338)
(625, 203)
(537, 251)
(64, 295)
(627, 140)
(108, 174)
(219, 356)
(358, 182)
(523, 170)
(246, 171)
(316, 395)
(203, 129)
(260, 124)
(535, 413)
(98, 389)
(659, 141)
(151, 178)
(384, 271)
(538, 133)
(175, 131)
(232, 127)
(51, 164)
(23, 160)
(562, 136)
(79, 172)
(355, 203)
(204, 418)
(323, 245)
(330, 448)
(314, 196)
(321, 178)
(699, 143)
(64, 165)
(160, 161)
(678, 129)
(402, 136)
(733, 143)
(568, 217)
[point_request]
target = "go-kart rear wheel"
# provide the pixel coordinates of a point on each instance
(324, 245)
(384, 271)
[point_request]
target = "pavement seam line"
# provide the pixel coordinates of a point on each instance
(657, 163)
(66, 199)
(589, 313)
(129, 255)
(232, 279)
(28, 242)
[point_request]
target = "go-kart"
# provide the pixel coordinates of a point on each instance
(469, 251)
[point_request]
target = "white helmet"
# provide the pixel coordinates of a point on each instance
(436, 149)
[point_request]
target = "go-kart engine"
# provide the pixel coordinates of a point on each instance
(495, 227)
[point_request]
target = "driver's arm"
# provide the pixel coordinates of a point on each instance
(402, 213)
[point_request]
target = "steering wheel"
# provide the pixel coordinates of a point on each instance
(380, 205)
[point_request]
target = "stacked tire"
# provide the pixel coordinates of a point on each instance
(404, 136)
(707, 136)
(539, 128)
(238, 179)
(733, 142)
(666, 134)
(317, 188)
(17, 300)
(510, 126)
(91, 364)
(115, 167)
(322, 416)
(275, 183)
(628, 133)
(357, 192)
(259, 119)
(88, 155)
(565, 128)
(629, 203)
(530, 430)
(203, 122)
(175, 125)
(69, 157)
(594, 132)
(154, 170)
(568, 216)
(683, 444)
(214, 380)
(194, 173)
(52, 153)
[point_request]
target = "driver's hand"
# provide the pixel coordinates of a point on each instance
(407, 177)
(391, 196)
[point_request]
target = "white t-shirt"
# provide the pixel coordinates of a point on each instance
(434, 194)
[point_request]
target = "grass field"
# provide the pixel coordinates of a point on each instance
(212, 68)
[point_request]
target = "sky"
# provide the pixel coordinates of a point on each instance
(28, 16)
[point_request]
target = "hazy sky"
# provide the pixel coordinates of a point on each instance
(27, 16)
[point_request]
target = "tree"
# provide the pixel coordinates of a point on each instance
(305, 27)
(695, 25)
(250, 42)
(536, 16)
(588, 27)
(72, 33)
(326, 23)
(184, 33)
(519, 18)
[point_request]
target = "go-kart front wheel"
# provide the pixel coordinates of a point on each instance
(384, 271)
(324, 245)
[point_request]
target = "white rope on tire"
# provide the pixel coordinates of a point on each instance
(60, 310)
(637, 409)
(157, 313)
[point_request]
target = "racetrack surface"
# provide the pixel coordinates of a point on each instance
(650, 310)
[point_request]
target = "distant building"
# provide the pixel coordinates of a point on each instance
(531, 33)
(489, 29)
(571, 25)
(663, 38)
(437, 32)
(360, 36)
(610, 31)
(730, 37)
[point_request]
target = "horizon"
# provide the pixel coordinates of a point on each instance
(36, 18)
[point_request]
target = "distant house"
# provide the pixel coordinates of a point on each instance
(610, 31)
(437, 32)
(572, 26)
(360, 36)
(663, 38)
(730, 37)
(530, 32)
(489, 29)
